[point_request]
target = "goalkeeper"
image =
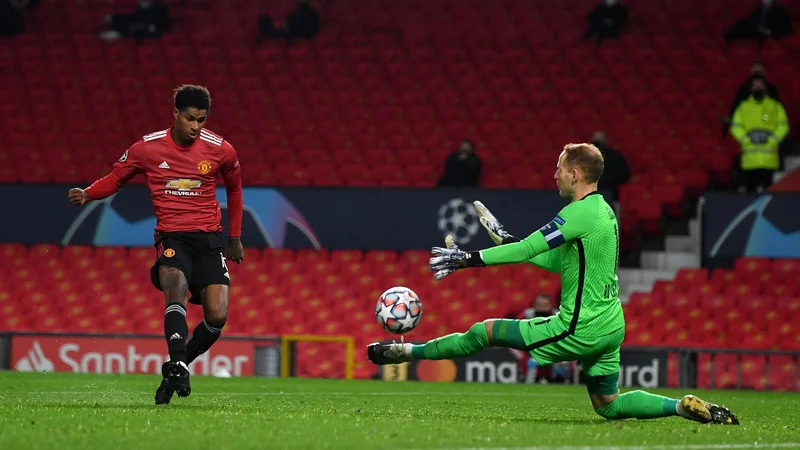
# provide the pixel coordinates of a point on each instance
(582, 243)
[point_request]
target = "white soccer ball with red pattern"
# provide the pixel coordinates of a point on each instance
(399, 310)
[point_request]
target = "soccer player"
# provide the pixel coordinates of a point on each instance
(181, 165)
(582, 243)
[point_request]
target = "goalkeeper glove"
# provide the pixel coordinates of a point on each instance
(492, 225)
(447, 260)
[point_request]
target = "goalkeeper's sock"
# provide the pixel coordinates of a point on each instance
(639, 405)
(454, 345)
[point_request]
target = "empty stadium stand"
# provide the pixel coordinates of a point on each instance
(387, 89)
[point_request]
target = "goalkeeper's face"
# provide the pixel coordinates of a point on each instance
(566, 177)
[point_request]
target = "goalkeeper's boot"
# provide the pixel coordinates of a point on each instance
(164, 391)
(695, 408)
(179, 378)
(393, 353)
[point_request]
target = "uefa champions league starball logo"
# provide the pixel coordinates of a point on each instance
(459, 219)
(124, 219)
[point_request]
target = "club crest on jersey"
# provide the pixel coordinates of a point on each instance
(204, 166)
(183, 187)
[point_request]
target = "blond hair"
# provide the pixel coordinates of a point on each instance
(587, 158)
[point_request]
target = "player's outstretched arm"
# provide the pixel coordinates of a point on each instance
(571, 223)
(445, 261)
(232, 176)
(493, 226)
(550, 261)
(124, 169)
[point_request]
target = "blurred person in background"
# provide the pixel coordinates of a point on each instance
(759, 125)
(302, 22)
(12, 21)
(463, 167)
(616, 171)
(768, 21)
(606, 20)
(542, 307)
(756, 71)
(151, 19)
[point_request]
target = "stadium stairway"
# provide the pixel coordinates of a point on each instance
(680, 251)
(790, 163)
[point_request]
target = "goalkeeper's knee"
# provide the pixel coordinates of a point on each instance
(477, 335)
(608, 412)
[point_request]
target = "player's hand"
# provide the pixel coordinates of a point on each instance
(447, 260)
(78, 196)
(235, 250)
(491, 224)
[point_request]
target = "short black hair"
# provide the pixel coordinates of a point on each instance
(192, 96)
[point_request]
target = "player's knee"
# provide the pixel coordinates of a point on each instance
(215, 304)
(173, 282)
(172, 278)
(478, 334)
(217, 315)
(608, 412)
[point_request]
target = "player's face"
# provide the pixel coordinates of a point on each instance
(189, 122)
(564, 177)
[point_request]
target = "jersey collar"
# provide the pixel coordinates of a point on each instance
(178, 147)
(590, 193)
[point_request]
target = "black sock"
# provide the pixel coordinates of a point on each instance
(203, 338)
(176, 330)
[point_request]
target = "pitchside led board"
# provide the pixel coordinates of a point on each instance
(137, 354)
(331, 218)
(501, 365)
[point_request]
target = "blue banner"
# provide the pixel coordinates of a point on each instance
(766, 225)
(332, 218)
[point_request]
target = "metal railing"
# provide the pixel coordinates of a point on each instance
(689, 364)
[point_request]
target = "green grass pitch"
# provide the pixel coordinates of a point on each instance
(73, 411)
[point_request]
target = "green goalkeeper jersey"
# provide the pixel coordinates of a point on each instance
(582, 243)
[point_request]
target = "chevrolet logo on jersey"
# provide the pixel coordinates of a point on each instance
(184, 187)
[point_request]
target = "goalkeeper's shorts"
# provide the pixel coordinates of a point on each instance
(547, 340)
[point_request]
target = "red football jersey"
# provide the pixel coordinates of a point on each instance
(182, 181)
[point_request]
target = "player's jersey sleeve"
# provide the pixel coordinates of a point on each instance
(231, 172)
(573, 222)
(549, 261)
(128, 165)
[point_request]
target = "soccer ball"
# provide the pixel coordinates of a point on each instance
(399, 310)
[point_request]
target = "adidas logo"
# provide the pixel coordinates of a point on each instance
(175, 336)
(163, 165)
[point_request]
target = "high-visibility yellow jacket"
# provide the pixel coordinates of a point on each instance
(760, 128)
